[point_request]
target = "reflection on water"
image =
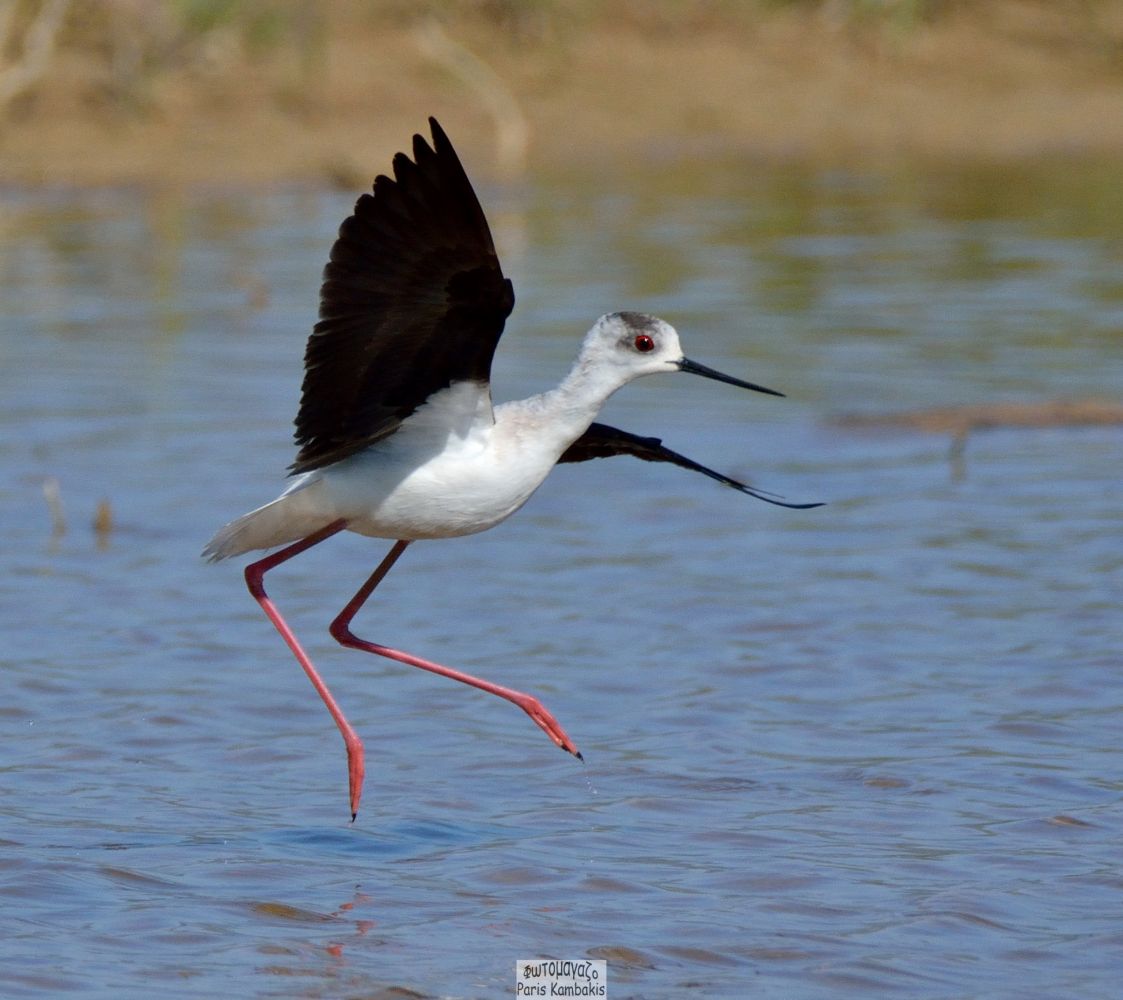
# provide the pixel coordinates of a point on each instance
(872, 747)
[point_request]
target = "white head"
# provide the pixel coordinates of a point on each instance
(623, 346)
(631, 344)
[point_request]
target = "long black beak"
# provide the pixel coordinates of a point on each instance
(686, 365)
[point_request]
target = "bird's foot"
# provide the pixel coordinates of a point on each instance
(547, 723)
(355, 771)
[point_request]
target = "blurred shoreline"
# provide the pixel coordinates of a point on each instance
(335, 89)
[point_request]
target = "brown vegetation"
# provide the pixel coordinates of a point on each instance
(127, 90)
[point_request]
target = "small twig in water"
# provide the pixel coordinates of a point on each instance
(53, 495)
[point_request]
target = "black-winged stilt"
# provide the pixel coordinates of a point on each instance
(397, 433)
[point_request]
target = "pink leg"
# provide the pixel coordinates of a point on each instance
(255, 573)
(341, 631)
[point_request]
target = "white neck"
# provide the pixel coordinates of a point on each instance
(557, 418)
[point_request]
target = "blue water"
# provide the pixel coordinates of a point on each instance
(870, 749)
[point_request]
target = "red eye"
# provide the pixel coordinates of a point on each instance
(644, 343)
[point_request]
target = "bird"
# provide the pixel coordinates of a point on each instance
(397, 433)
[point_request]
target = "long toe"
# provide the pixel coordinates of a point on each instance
(548, 724)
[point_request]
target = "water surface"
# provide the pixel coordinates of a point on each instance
(867, 749)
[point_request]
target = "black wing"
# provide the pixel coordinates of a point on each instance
(602, 441)
(413, 300)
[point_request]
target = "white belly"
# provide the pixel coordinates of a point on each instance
(458, 492)
(450, 470)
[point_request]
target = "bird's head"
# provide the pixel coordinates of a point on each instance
(632, 344)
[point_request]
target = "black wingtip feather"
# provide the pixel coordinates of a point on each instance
(440, 139)
(602, 441)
